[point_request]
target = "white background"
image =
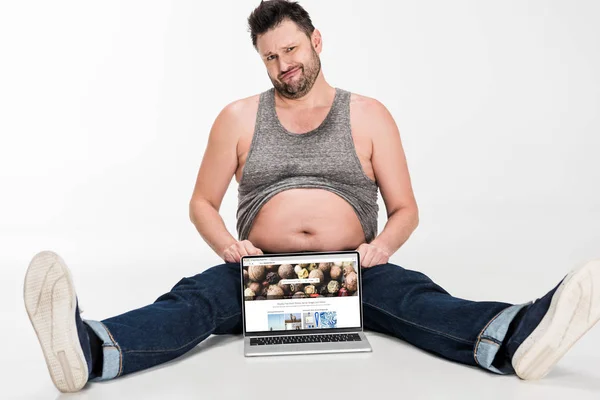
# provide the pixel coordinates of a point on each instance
(105, 110)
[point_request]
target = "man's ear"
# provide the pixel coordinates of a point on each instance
(317, 41)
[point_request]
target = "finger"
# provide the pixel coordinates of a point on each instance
(363, 260)
(360, 260)
(235, 252)
(248, 248)
(242, 252)
(368, 258)
(229, 257)
(361, 257)
(381, 259)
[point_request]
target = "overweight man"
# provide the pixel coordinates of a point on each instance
(309, 159)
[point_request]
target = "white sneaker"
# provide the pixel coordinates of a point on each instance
(556, 321)
(52, 307)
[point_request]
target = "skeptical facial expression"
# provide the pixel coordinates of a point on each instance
(292, 61)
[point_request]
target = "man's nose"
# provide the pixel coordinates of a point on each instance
(284, 66)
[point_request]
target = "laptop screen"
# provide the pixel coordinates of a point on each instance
(314, 292)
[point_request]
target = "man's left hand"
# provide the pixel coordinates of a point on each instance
(371, 255)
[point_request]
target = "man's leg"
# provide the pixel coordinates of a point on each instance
(196, 307)
(409, 305)
(524, 339)
(78, 351)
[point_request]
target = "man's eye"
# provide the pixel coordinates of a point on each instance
(289, 49)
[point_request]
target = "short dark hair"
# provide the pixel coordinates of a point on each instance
(271, 13)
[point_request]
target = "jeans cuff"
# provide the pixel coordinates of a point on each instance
(112, 362)
(492, 336)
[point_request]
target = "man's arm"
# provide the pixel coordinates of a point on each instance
(391, 172)
(217, 168)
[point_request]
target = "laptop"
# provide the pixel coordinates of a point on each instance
(302, 303)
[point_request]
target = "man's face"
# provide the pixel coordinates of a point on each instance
(292, 62)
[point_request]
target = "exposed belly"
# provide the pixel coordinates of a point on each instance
(306, 219)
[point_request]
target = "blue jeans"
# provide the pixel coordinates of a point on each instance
(396, 301)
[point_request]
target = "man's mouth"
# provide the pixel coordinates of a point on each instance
(290, 73)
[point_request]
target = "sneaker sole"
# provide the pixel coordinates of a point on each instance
(574, 309)
(50, 300)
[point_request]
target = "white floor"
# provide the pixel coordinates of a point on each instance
(216, 369)
(113, 275)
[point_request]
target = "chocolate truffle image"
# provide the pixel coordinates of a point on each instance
(317, 273)
(348, 269)
(272, 277)
(325, 267)
(335, 272)
(286, 271)
(351, 281)
(333, 286)
(257, 273)
(296, 287)
(274, 292)
(303, 273)
(264, 290)
(285, 287)
(263, 282)
(310, 289)
(255, 287)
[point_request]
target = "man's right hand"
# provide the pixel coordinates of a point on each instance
(234, 252)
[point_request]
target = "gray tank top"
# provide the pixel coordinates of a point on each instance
(322, 158)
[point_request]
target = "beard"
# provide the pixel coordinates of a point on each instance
(300, 85)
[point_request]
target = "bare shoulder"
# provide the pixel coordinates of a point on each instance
(240, 111)
(237, 120)
(366, 106)
(370, 119)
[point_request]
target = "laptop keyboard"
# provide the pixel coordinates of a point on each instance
(295, 339)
